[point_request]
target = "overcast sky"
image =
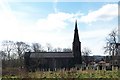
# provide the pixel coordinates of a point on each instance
(54, 22)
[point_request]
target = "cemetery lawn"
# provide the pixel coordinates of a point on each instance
(62, 74)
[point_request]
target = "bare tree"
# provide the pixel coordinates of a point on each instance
(112, 45)
(86, 52)
(49, 47)
(37, 47)
(57, 49)
(111, 41)
(8, 48)
(67, 50)
(21, 48)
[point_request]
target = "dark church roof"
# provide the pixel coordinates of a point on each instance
(51, 55)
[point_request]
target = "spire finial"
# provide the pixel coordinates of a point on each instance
(76, 25)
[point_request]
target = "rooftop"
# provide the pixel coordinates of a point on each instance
(51, 55)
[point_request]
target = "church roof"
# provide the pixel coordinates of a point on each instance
(51, 55)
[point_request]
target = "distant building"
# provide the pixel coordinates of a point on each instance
(55, 60)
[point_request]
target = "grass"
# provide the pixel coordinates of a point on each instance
(73, 73)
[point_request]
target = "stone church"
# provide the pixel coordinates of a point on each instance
(55, 60)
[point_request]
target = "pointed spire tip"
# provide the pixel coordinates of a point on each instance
(76, 24)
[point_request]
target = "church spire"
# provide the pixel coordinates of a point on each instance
(77, 46)
(76, 36)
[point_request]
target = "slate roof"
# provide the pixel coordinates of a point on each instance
(51, 55)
